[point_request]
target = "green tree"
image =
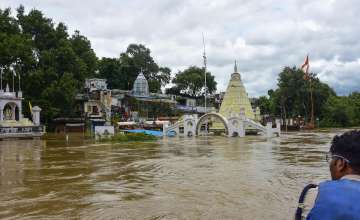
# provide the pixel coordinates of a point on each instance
(191, 82)
(62, 93)
(110, 69)
(354, 100)
(86, 57)
(264, 104)
(292, 97)
(338, 112)
(52, 65)
(121, 73)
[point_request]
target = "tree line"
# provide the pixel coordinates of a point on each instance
(291, 99)
(53, 64)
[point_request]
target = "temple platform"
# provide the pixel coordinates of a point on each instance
(23, 129)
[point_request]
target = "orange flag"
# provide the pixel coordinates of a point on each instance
(305, 68)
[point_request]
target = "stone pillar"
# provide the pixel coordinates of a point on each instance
(36, 115)
(269, 131)
(189, 127)
(1, 114)
(20, 112)
(242, 129)
(165, 126)
(278, 126)
(13, 109)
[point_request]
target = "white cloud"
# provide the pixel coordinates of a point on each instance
(264, 36)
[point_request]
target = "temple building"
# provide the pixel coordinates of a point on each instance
(236, 99)
(10, 106)
(12, 122)
(141, 86)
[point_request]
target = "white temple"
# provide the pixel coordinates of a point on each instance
(141, 87)
(12, 122)
(10, 105)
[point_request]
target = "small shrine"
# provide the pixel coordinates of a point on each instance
(10, 105)
(12, 122)
(141, 86)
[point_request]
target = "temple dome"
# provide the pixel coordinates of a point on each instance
(141, 86)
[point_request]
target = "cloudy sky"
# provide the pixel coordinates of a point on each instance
(263, 36)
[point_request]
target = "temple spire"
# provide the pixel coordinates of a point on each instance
(235, 68)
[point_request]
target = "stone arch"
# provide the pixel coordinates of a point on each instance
(11, 111)
(209, 115)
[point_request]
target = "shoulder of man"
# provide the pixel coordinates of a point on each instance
(308, 196)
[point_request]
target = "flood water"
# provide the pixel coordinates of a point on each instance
(173, 178)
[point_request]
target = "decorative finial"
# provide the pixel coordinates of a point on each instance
(235, 68)
(7, 88)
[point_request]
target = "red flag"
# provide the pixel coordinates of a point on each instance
(305, 68)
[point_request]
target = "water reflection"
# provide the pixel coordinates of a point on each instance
(174, 178)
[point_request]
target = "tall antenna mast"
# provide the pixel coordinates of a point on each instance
(204, 57)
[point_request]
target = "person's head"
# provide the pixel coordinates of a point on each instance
(345, 154)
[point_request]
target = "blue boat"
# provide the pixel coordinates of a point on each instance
(150, 132)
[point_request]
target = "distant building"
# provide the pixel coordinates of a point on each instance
(94, 84)
(93, 106)
(99, 104)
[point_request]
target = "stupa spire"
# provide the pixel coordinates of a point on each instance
(236, 100)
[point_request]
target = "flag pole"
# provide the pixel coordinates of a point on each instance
(312, 104)
(308, 77)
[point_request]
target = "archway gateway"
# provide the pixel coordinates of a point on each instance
(10, 111)
(203, 119)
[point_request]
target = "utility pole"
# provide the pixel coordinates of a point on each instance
(205, 87)
(204, 57)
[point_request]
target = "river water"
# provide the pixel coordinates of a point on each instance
(173, 178)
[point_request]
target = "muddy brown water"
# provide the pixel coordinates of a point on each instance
(173, 178)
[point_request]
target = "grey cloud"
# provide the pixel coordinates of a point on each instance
(264, 36)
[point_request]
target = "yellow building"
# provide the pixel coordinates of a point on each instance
(236, 100)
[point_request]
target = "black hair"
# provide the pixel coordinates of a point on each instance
(348, 146)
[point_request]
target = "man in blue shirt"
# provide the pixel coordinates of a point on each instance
(339, 198)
